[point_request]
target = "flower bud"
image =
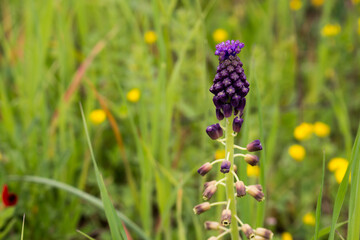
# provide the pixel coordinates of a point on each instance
(207, 184)
(235, 100)
(251, 159)
(265, 233)
(240, 189)
(214, 131)
(219, 114)
(225, 166)
(237, 123)
(254, 146)
(248, 231)
(226, 217)
(204, 169)
(235, 168)
(209, 225)
(203, 207)
(227, 109)
(256, 192)
(209, 192)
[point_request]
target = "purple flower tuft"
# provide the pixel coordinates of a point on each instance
(229, 48)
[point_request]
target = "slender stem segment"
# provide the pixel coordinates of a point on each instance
(230, 194)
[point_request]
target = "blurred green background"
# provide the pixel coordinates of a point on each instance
(146, 67)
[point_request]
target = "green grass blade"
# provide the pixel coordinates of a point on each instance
(76, 192)
(325, 231)
(22, 228)
(354, 209)
(318, 205)
(116, 229)
(340, 196)
(85, 235)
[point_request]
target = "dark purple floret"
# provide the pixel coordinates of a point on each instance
(214, 131)
(219, 114)
(230, 91)
(235, 100)
(237, 123)
(225, 166)
(254, 146)
(226, 82)
(217, 102)
(227, 109)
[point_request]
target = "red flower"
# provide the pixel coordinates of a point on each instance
(9, 199)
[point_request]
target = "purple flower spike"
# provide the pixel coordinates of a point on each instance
(214, 131)
(237, 123)
(225, 166)
(254, 146)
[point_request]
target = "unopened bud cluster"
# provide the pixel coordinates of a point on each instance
(230, 88)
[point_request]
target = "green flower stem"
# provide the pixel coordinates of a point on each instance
(230, 193)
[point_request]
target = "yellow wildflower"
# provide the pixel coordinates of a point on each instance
(286, 236)
(220, 35)
(252, 171)
(97, 116)
(339, 167)
(330, 30)
(337, 163)
(321, 129)
(297, 152)
(295, 5)
(150, 37)
(219, 154)
(303, 131)
(317, 3)
(133, 95)
(309, 219)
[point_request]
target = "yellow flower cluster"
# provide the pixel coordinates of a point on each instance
(317, 3)
(220, 35)
(330, 30)
(338, 166)
(309, 219)
(150, 37)
(97, 116)
(286, 236)
(295, 5)
(305, 130)
(133, 95)
(297, 152)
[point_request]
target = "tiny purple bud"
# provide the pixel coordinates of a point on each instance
(241, 105)
(237, 123)
(246, 84)
(248, 231)
(225, 166)
(238, 85)
(255, 192)
(230, 68)
(265, 233)
(214, 131)
(209, 192)
(226, 82)
(219, 114)
(204, 169)
(234, 76)
(251, 159)
(254, 146)
(218, 86)
(217, 102)
(209, 183)
(235, 100)
(209, 225)
(224, 73)
(222, 96)
(240, 189)
(227, 109)
(212, 89)
(244, 91)
(230, 90)
(199, 209)
(226, 217)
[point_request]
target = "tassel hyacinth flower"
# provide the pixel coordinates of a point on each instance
(230, 88)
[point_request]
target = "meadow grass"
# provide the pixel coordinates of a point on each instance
(55, 54)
